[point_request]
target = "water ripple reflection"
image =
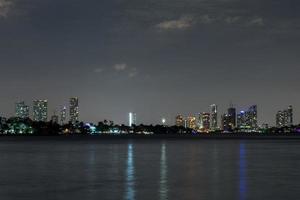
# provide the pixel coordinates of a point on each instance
(242, 172)
(130, 175)
(163, 174)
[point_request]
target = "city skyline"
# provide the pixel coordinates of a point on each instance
(154, 58)
(149, 99)
(204, 121)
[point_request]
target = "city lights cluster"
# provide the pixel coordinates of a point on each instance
(233, 121)
(244, 121)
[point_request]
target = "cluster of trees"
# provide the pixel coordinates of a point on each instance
(17, 126)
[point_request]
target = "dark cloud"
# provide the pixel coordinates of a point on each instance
(131, 55)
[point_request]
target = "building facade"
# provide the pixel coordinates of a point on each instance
(204, 121)
(132, 119)
(284, 118)
(213, 117)
(232, 117)
(74, 110)
(191, 122)
(63, 115)
(22, 110)
(40, 110)
(247, 120)
(179, 121)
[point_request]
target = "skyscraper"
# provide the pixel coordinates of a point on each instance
(232, 117)
(63, 114)
(252, 117)
(242, 120)
(205, 121)
(40, 110)
(22, 110)
(280, 121)
(225, 123)
(285, 117)
(214, 117)
(132, 119)
(247, 120)
(191, 122)
(179, 121)
(74, 110)
(290, 116)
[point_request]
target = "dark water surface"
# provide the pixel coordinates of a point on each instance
(150, 169)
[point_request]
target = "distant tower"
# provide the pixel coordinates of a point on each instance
(179, 121)
(205, 121)
(191, 122)
(252, 117)
(280, 122)
(54, 118)
(63, 114)
(231, 117)
(290, 116)
(22, 110)
(132, 119)
(241, 120)
(248, 119)
(214, 117)
(40, 110)
(285, 117)
(74, 110)
(225, 123)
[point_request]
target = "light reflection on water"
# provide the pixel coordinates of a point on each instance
(242, 172)
(150, 170)
(163, 191)
(130, 174)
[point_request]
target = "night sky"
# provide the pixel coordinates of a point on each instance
(157, 58)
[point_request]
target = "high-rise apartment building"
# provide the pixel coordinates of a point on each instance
(204, 121)
(284, 118)
(74, 110)
(22, 110)
(40, 110)
(214, 117)
(247, 120)
(191, 122)
(179, 121)
(63, 114)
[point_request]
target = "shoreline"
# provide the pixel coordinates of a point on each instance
(153, 137)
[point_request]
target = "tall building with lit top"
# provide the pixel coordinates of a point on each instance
(204, 121)
(63, 114)
(132, 119)
(40, 110)
(214, 117)
(179, 121)
(247, 120)
(242, 120)
(225, 123)
(22, 110)
(74, 110)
